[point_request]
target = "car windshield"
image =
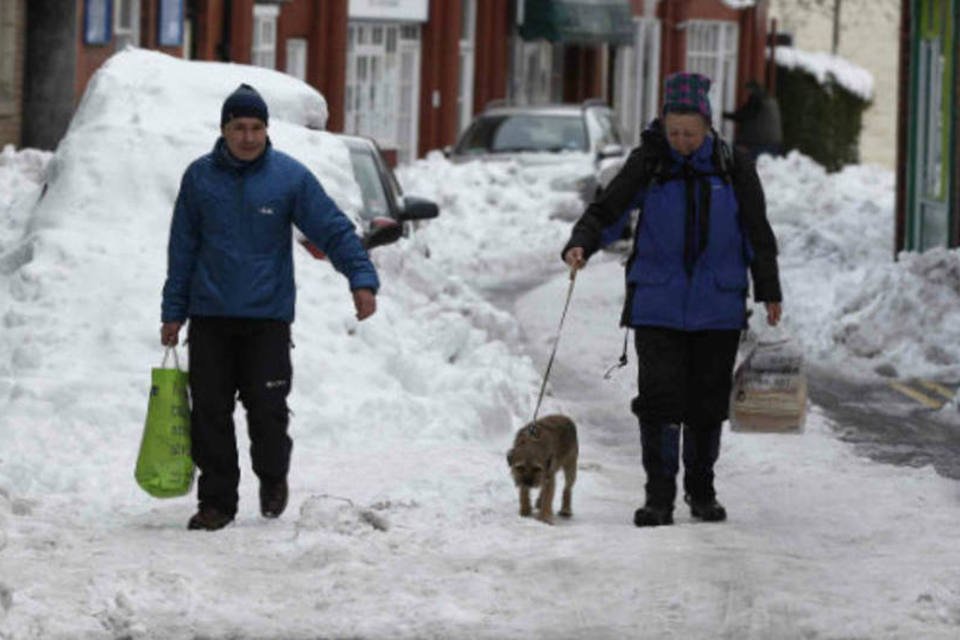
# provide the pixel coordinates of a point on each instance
(525, 132)
(371, 188)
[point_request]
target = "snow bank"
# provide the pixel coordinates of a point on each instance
(22, 174)
(501, 219)
(850, 303)
(84, 278)
(826, 67)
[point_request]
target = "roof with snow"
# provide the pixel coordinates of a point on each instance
(826, 67)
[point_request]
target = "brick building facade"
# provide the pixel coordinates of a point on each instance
(409, 73)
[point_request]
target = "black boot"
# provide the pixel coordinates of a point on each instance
(209, 518)
(652, 516)
(708, 510)
(273, 498)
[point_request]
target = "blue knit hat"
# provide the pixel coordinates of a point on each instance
(245, 102)
(687, 93)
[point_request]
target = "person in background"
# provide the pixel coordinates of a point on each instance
(702, 226)
(759, 126)
(230, 272)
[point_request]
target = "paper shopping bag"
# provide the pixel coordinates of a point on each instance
(770, 389)
(164, 466)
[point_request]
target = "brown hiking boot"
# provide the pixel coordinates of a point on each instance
(209, 519)
(273, 498)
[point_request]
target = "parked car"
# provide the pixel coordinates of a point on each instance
(585, 136)
(387, 214)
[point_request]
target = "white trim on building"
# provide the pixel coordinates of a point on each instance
(712, 49)
(264, 49)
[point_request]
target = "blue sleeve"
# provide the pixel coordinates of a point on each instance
(614, 232)
(181, 253)
(327, 227)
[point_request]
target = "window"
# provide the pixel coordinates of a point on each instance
(97, 20)
(126, 20)
(170, 23)
(931, 227)
(468, 36)
(534, 72)
(264, 52)
(383, 85)
(712, 51)
(297, 58)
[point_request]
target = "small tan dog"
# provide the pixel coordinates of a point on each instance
(540, 449)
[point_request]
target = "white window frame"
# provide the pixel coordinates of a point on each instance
(8, 56)
(263, 51)
(126, 34)
(297, 58)
(468, 39)
(636, 98)
(382, 96)
(712, 50)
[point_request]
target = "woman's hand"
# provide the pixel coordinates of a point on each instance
(774, 312)
(574, 258)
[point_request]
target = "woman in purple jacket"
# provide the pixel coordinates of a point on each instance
(702, 227)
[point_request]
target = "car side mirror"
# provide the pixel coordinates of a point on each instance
(382, 231)
(610, 151)
(415, 208)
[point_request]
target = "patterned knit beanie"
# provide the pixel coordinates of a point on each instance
(687, 93)
(245, 102)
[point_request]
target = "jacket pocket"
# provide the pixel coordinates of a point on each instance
(647, 277)
(731, 280)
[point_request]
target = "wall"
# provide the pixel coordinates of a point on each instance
(439, 76)
(10, 119)
(869, 36)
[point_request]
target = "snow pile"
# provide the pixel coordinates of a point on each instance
(22, 174)
(826, 67)
(846, 298)
(82, 316)
(501, 219)
(906, 316)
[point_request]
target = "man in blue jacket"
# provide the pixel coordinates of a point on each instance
(230, 271)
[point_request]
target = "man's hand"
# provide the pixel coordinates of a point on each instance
(774, 312)
(574, 258)
(365, 303)
(170, 334)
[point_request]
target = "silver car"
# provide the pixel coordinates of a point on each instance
(387, 214)
(585, 136)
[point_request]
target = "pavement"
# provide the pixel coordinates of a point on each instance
(903, 422)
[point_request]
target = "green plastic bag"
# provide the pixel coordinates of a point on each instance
(164, 466)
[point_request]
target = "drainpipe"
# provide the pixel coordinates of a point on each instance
(225, 29)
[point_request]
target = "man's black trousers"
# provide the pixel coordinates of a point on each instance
(250, 358)
(684, 380)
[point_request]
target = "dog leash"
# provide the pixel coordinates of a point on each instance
(556, 342)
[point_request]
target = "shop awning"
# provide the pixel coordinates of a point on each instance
(578, 21)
